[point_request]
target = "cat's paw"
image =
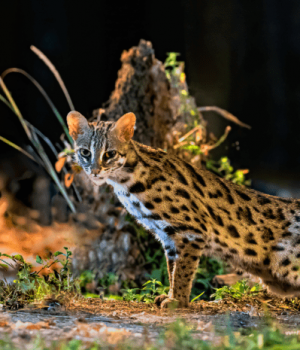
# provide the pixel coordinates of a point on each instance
(171, 303)
(159, 299)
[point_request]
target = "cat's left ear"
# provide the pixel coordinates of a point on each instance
(77, 124)
(124, 127)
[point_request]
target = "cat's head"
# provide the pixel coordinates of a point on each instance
(101, 147)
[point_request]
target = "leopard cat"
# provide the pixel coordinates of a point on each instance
(192, 211)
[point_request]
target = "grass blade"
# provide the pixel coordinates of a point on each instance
(45, 95)
(50, 65)
(17, 148)
(38, 146)
(15, 108)
(4, 100)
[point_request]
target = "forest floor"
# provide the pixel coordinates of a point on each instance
(113, 321)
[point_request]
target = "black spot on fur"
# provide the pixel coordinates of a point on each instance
(267, 235)
(250, 238)
(277, 248)
(285, 262)
(194, 205)
(186, 255)
(152, 181)
(245, 215)
(263, 200)
(166, 216)
(174, 210)
(280, 216)
(195, 258)
(267, 261)
(171, 252)
(216, 232)
(233, 251)
(136, 204)
(243, 195)
(285, 225)
(187, 218)
(203, 227)
(295, 268)
(154, 217)
(292, 211)
(185, 240)
(149, 205)
(138, 187)
(196, 219)
(230, 199)
(181, 178)
(198, 189)
(195, 246)
(200, 240)
(170, 231)
(167, 198)
(250, 252)
(182, 193)
(268, 214)
(297, 218)
(168, 188)
(185, 208)
(124, 180)
(157, 200)
(286, 234)
(233, 231)
(215, 217)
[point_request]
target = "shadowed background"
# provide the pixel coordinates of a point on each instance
(241, 56)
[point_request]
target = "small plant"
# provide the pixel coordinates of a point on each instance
(32, 285)
(237, 291)
(223, 168)
(130, 294)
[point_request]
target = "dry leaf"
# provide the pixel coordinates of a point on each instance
(69, 179)
(60, 164)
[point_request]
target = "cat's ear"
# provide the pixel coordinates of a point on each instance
(124, 127)
(77, 123)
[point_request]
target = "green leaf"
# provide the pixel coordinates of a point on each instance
(4, 266)
(38, 259)
(58, 253)
(198, 296)
(18, 257)
(147, 283)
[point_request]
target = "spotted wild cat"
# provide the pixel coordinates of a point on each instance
(192, 211)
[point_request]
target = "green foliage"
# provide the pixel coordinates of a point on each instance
(30, 286)
(237, 291)
(208, 268)
(223, 168)
(151, 289)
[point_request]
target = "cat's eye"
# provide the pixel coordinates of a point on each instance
(110, 154)
(85, 152)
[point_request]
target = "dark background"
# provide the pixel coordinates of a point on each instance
(240, 55)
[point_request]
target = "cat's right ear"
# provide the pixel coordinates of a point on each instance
(77, 123)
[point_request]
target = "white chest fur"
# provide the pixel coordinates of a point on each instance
(143, 215)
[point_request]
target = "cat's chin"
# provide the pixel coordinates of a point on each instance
(97, 181)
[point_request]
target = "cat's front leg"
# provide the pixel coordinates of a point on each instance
(184, 270)
(170, 265)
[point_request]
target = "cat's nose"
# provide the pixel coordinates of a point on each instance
(95, 172)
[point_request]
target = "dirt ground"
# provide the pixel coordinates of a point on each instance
(90, 319)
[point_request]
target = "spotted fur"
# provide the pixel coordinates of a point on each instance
(192, 211)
